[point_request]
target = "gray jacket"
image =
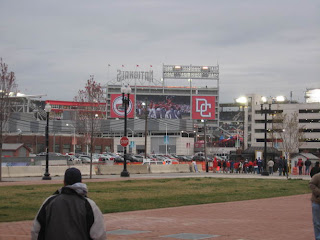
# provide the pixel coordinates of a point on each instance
(69, 214)
(315, 188)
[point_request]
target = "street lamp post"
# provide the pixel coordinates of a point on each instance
(125, 101)
(145, 127)
(265, 111)
(46, 175)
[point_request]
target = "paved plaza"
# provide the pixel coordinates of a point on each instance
(264, 219)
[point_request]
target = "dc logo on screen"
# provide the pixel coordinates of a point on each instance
(202, 107)
(118, 108)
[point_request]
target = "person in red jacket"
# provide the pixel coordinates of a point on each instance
(215, 164)
(228, 166)
(250, 164)
(300, 165)
(236, 167)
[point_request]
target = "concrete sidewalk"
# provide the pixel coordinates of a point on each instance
(265, 219)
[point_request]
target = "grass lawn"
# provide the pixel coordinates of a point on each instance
(22, 202)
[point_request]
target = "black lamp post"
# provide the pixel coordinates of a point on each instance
(46, 175)
(125, 101)
(145, 127)
(265, 111)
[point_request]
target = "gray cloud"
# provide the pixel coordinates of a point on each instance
(265, 47)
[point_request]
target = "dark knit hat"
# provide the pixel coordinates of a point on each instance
(72, 176)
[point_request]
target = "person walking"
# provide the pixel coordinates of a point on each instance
(270, 165)
(280, 165)
(69, 213)
(307, 163)
(228, 166)
(215, 165)
(250, 164)
(224, 166)
(219, 166)
(231, 166)
(240, 166)
(315, 169)
(255, 166)
(300, 165)
(195, 167)
(246, 166)
(314, 185)
(259, 163)
(236, 167)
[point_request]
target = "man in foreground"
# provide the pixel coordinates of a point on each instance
(69, 213)
(315, 198)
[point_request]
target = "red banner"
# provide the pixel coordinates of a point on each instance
(203, 107)
(117, 108)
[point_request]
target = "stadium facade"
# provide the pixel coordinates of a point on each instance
(166, 115)
(176, 107)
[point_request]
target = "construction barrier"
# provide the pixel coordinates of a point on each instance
(117, 169)
(172, 168)
(38, 171)
(97, 169)
(294, 171)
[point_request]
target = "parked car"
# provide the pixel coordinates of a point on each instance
(137, 158)
(184, 158)
(133, 158)
(73, 159)
(116, 157)
(106, 157)
(95, 157)
(85, 159)
(50, 154)
(198, 158)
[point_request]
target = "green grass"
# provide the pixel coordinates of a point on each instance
(22, 202)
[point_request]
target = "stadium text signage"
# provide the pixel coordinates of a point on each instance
(138, 75)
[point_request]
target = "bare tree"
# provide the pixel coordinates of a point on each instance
(7, 84)
(92, 105)
(289, 131)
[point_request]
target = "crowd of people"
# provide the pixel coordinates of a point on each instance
(250, 167)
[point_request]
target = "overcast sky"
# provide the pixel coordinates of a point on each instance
(269, 47)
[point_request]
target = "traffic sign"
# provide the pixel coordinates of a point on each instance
(124, 141)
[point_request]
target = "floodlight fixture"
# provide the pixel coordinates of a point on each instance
(280, 98)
